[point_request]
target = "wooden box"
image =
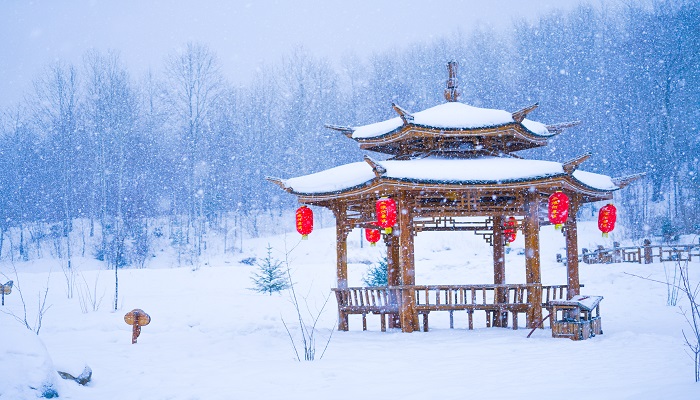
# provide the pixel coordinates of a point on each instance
(576, 319)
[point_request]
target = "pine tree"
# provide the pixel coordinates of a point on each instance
(270, 276)
(378, 274)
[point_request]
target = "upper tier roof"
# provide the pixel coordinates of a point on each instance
(453, 128)
(451, 116)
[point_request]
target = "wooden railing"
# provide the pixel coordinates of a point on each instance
(496, 300)
(644, 254)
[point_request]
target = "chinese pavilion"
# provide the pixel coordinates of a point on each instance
(447, 165)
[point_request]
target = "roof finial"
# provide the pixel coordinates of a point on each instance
(452, 92)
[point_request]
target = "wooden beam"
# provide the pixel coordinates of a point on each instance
(376, 167)
(406, 116)
(571, 165)
(572, 271)
(279, 182)
(499, 267)
(407, 308)
(623, 181)
(559, 128)
(341, 247)
(520, 115)
(531, 231)
(393, 276)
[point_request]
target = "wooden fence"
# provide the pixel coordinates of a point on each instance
(644, 254)
(496, 300)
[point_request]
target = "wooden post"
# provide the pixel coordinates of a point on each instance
(499, 267)
(341, 246)
(572, 272)
(531, 231)
(393, 276)
(407, 308)
(647, 252)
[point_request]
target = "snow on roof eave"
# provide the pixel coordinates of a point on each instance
(372, 182)
(518, 127)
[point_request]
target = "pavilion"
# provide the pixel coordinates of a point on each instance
(446, 165)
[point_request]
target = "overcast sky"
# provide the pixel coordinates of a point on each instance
(244, 34)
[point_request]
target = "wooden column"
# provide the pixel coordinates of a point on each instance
(531, 231)
(570, 230)
(341, 246)
(499, 266)
(407, 308)
(393, 276)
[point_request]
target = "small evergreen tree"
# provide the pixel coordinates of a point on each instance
(270, 276)
(377, 275)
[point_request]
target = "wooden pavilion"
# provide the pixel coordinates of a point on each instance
(449, 164)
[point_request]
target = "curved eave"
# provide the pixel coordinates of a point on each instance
(390, 142)
(372, 187)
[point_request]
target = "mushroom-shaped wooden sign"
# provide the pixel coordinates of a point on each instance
(137, 318)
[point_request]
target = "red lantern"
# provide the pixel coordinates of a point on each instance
(606, 219)
(558, 209)
(386, 214)
(372, 236)
(305, 221)
(510, 230)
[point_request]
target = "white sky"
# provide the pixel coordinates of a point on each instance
(244, 34)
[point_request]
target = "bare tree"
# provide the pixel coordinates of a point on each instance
(194, 85)
(55, 109)
(112, 113)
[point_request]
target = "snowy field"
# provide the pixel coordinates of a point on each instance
(213, 338)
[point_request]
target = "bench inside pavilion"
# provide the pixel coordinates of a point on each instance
(453, 167)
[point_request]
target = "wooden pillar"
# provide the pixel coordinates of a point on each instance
(407, 308)
(531, 231)
(499, 267)
(341, 246)
(393, 276)
(570, 230)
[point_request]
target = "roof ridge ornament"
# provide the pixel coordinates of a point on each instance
(623, 181)
(345, 130)
(279, 182)
(520, 115)
(558, 128)
(376, 167)
(452, 92)
(571, 165)
(406, 116)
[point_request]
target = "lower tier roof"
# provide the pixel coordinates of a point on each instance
(448, 171)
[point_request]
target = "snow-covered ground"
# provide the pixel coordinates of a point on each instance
(212, 338)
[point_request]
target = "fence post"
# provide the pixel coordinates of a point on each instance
(647, 251)
(617, 253)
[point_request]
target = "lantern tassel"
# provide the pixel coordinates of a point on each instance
(372, 244)
(387, 231)
(304, 237)
(558, 226)
(605, 234)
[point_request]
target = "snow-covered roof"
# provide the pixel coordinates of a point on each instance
(483, 170)
(451, 115)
